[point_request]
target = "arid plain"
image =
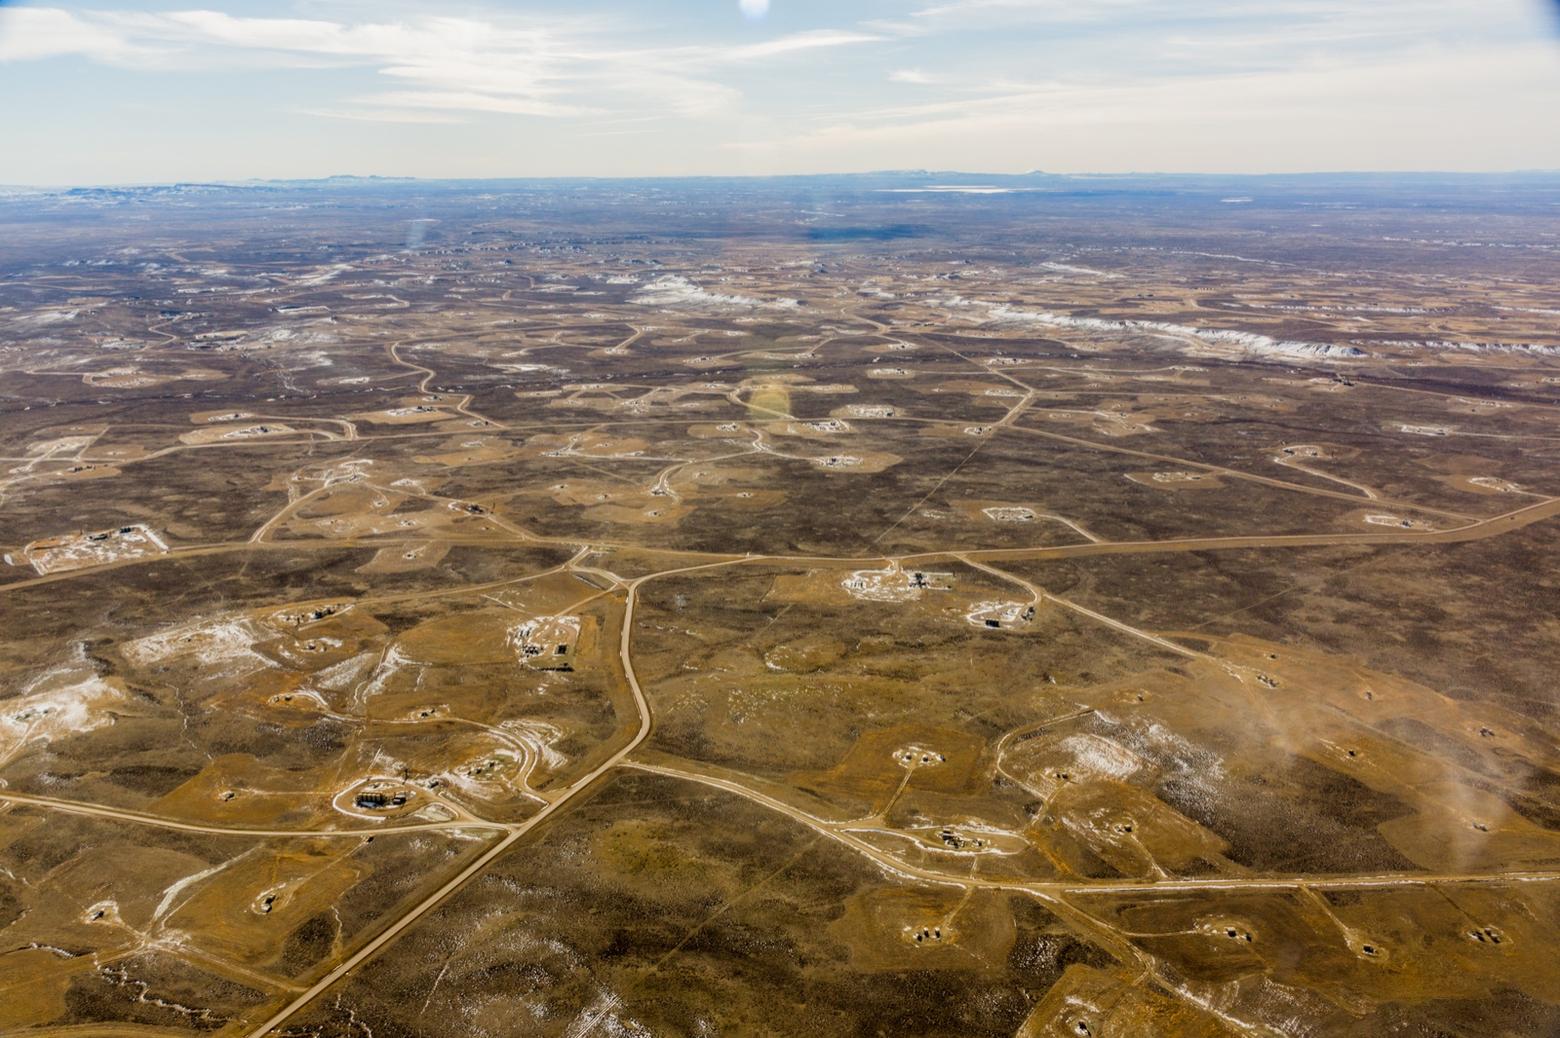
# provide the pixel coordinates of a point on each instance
(852, 607)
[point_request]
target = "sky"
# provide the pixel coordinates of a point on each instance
(115, 92)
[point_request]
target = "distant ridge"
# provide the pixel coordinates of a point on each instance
(1535, 177)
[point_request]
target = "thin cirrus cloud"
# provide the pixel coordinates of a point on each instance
(795, 42)
(32, 34)
(1405, 112)
(385, 115)
(555, 67)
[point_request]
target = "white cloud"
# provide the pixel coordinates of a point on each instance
(468, 101)
(549, 68)
(964, 9)
(1401, 113)
(801, 41)
(383, 115)
(1209, 19)
(554, 69)
(33, 33)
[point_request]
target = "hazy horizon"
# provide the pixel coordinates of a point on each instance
(1212, 175)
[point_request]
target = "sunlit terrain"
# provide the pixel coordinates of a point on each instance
(895, 605)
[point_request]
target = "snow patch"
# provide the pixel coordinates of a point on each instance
(1250, 342)
(675, 290)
